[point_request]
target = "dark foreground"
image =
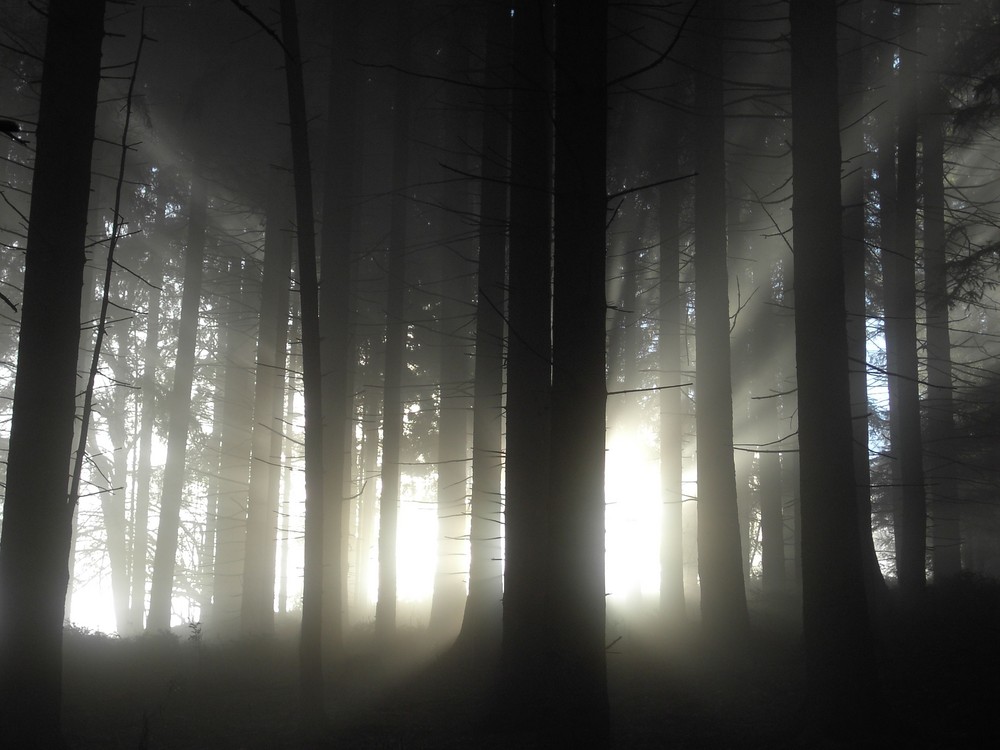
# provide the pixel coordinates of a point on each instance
(940, 669)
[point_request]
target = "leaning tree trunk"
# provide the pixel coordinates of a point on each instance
(37, 518)
(839, 664)
(576, 597)
(179, 416)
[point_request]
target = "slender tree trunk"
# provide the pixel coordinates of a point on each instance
(672, 313)
(144, 470)
(310, 647)
(265, 467)
(723, 598)
(839, 665)
(899, 274)
(453, 468)
(483, 613)
(179, 411)
(34, 545)
(855, 254)
(340, 181)
(576, 597)
(395, 339)
(236, 359)
(938, 404)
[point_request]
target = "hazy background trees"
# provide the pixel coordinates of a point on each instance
(569, 370)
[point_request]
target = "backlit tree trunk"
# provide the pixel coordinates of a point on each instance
(723, 599)
(179, 411)
(576, 597)
(839, 668)
(37, 516)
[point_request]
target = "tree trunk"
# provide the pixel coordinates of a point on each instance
(576, 597)
(938, 404)
(528, 366)
(310, 645)
(854, 225)
(899, 275)
(723, 597)
(839, 665)
(179, 411)
(483, 613)
(340, 180)
(37, 518)
(395, 339)
(453, 468)
(149, 394)
(265, 467)
(672, 313)
(235, 358)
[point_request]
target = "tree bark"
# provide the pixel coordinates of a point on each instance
(34, 545)
(340, 180)
(310, 645)
(576, 597)
(720, 568)
(839, 665)
(483, 613)
(899, 275)
(524, 639)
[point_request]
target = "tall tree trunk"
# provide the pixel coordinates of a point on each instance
(236, 359)
(147, 419)
(483, 613)
(310, 645)
(265, 467)
(723, 597)
(179, 411)
(899, 274)
(943, 489)
(672, 312)
(576, 597)
(528, 366)
(395, 338)
(340, 181)
(451, 572)
(854, 224)
(839, 665)
(34, 545)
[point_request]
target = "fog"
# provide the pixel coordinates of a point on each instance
(454, 565)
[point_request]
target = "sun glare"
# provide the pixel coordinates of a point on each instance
(632, 520)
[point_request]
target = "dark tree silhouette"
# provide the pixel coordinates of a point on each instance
(840, 672)
(37, 513)
(576, 597)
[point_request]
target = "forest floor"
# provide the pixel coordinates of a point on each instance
(939, 666)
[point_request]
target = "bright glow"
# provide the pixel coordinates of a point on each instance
(632, 520)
